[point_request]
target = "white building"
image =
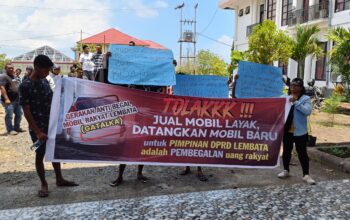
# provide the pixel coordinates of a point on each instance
(287, 13)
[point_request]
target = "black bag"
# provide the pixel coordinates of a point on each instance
(311, 141)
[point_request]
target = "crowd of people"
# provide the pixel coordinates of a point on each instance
(32, 95)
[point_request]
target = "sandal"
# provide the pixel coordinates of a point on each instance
(66, 183)
(116, 182)
(142, 179)
(185, 172)
(43, 193)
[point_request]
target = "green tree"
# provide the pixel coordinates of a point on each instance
(207, 63)
(210, 63)
(331, 106)
(268, 44)
(305, 43)
(3, 61)
(79, 47)
(236, 56)
(340, 54)
(187, 68)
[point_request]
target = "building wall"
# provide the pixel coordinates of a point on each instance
(242, 23)
(341, 19)
(241, 41)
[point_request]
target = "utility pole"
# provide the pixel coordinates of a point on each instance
(189, 36)
(195, 37)
(329, 43)
(181, 14)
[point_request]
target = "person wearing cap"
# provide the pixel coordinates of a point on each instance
(54, 76)
(295, 130)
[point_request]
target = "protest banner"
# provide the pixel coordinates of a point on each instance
(258, 81)
(141, 66)
(96, 122)
(206, 86)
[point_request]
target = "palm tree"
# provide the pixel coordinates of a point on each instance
(305, 44)
(340, 54)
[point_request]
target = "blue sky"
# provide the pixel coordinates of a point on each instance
(26, 25)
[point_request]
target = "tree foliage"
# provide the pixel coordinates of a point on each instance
(3, 61)
(236, 56)
(268, 44)
(207, 63)
(340, 54)
(331, 106)
(305, 43)
(79, 47)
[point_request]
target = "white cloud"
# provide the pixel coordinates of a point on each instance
(160, 4)
(28, 24)
(143, 10)
(223, 49)
(46, 22)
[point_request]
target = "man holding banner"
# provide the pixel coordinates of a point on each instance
(206, 86)
(36, 99)
(140, 176)
(105, 123)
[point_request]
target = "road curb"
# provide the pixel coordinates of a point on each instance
(342, 164)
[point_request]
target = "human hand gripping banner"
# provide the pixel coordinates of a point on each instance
(95, 122)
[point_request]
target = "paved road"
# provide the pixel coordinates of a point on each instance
(326, 200)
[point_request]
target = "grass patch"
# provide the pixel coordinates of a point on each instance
(342, 152)
(335, 124)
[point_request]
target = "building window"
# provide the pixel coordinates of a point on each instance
(240, 14)
(271, 9)
(342, 5)
(262, 13)
(320, 71)
(287, 6)
(247, 10)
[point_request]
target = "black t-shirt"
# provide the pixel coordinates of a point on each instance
(11, 86)
(38, 95)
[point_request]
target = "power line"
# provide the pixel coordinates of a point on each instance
(81, 9)
(88, 33)
(42, 36)
(21, 31)
(211, 20)
(14, 46)
(217, 41)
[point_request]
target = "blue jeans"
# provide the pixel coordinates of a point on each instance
(13, 108)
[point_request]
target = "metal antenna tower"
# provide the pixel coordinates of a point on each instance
(188, 36)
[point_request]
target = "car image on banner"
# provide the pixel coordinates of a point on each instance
(104, 136)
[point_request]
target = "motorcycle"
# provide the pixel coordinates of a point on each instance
(315, 94)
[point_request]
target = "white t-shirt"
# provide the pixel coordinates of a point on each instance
(88, 65)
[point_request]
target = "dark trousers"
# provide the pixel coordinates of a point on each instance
(300, 144)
